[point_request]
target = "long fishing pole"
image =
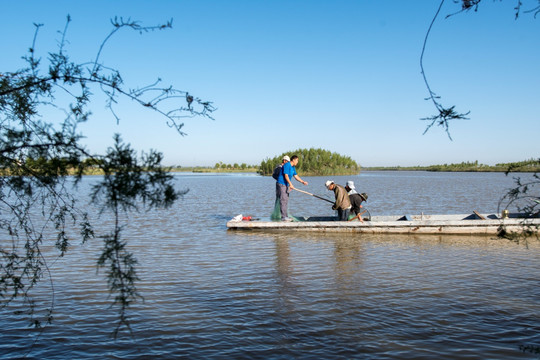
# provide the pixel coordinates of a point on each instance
(318, 197)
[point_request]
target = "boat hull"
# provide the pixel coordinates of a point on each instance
(491, 224)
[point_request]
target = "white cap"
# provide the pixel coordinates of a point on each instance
(328, 183)
(286, 158)
(350, 184)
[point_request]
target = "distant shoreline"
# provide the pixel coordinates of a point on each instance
(210, 170)
(429, 169)
(200, 169)
(465, 167)
(531, 166)
(366, 169)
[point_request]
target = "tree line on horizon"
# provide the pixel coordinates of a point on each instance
(235, 166)
(306, 165)
(531, 165)
(314, 162)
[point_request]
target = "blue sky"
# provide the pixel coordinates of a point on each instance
(338, 75)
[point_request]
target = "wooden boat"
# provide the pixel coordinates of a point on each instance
(475, 223)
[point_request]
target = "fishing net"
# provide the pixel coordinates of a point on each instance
(276, 214)
(365, 214)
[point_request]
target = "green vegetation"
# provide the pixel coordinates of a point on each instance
(39, 152)
(218, 168)
(61, 166)
(531, 165)
(235, 167)
(314, 162)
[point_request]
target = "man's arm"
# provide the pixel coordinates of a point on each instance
(359, 216)
(300, 180)
(288, 180)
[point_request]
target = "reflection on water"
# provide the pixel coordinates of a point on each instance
(213, 293)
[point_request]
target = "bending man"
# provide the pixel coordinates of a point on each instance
(342, 204)
(356, 200)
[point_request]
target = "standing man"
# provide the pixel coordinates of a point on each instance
(342, 204)
(356, 200)
(284, 185)
(278, 172)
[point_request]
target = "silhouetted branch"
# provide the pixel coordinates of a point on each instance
(37, 154)
(525, 197)
(444, 114)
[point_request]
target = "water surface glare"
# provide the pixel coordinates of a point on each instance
(210, 293)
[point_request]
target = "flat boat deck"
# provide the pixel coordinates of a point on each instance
(481, 224)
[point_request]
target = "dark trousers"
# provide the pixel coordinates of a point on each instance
(283, 195)
(343, 215)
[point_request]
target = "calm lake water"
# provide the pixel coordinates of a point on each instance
(210, 293)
